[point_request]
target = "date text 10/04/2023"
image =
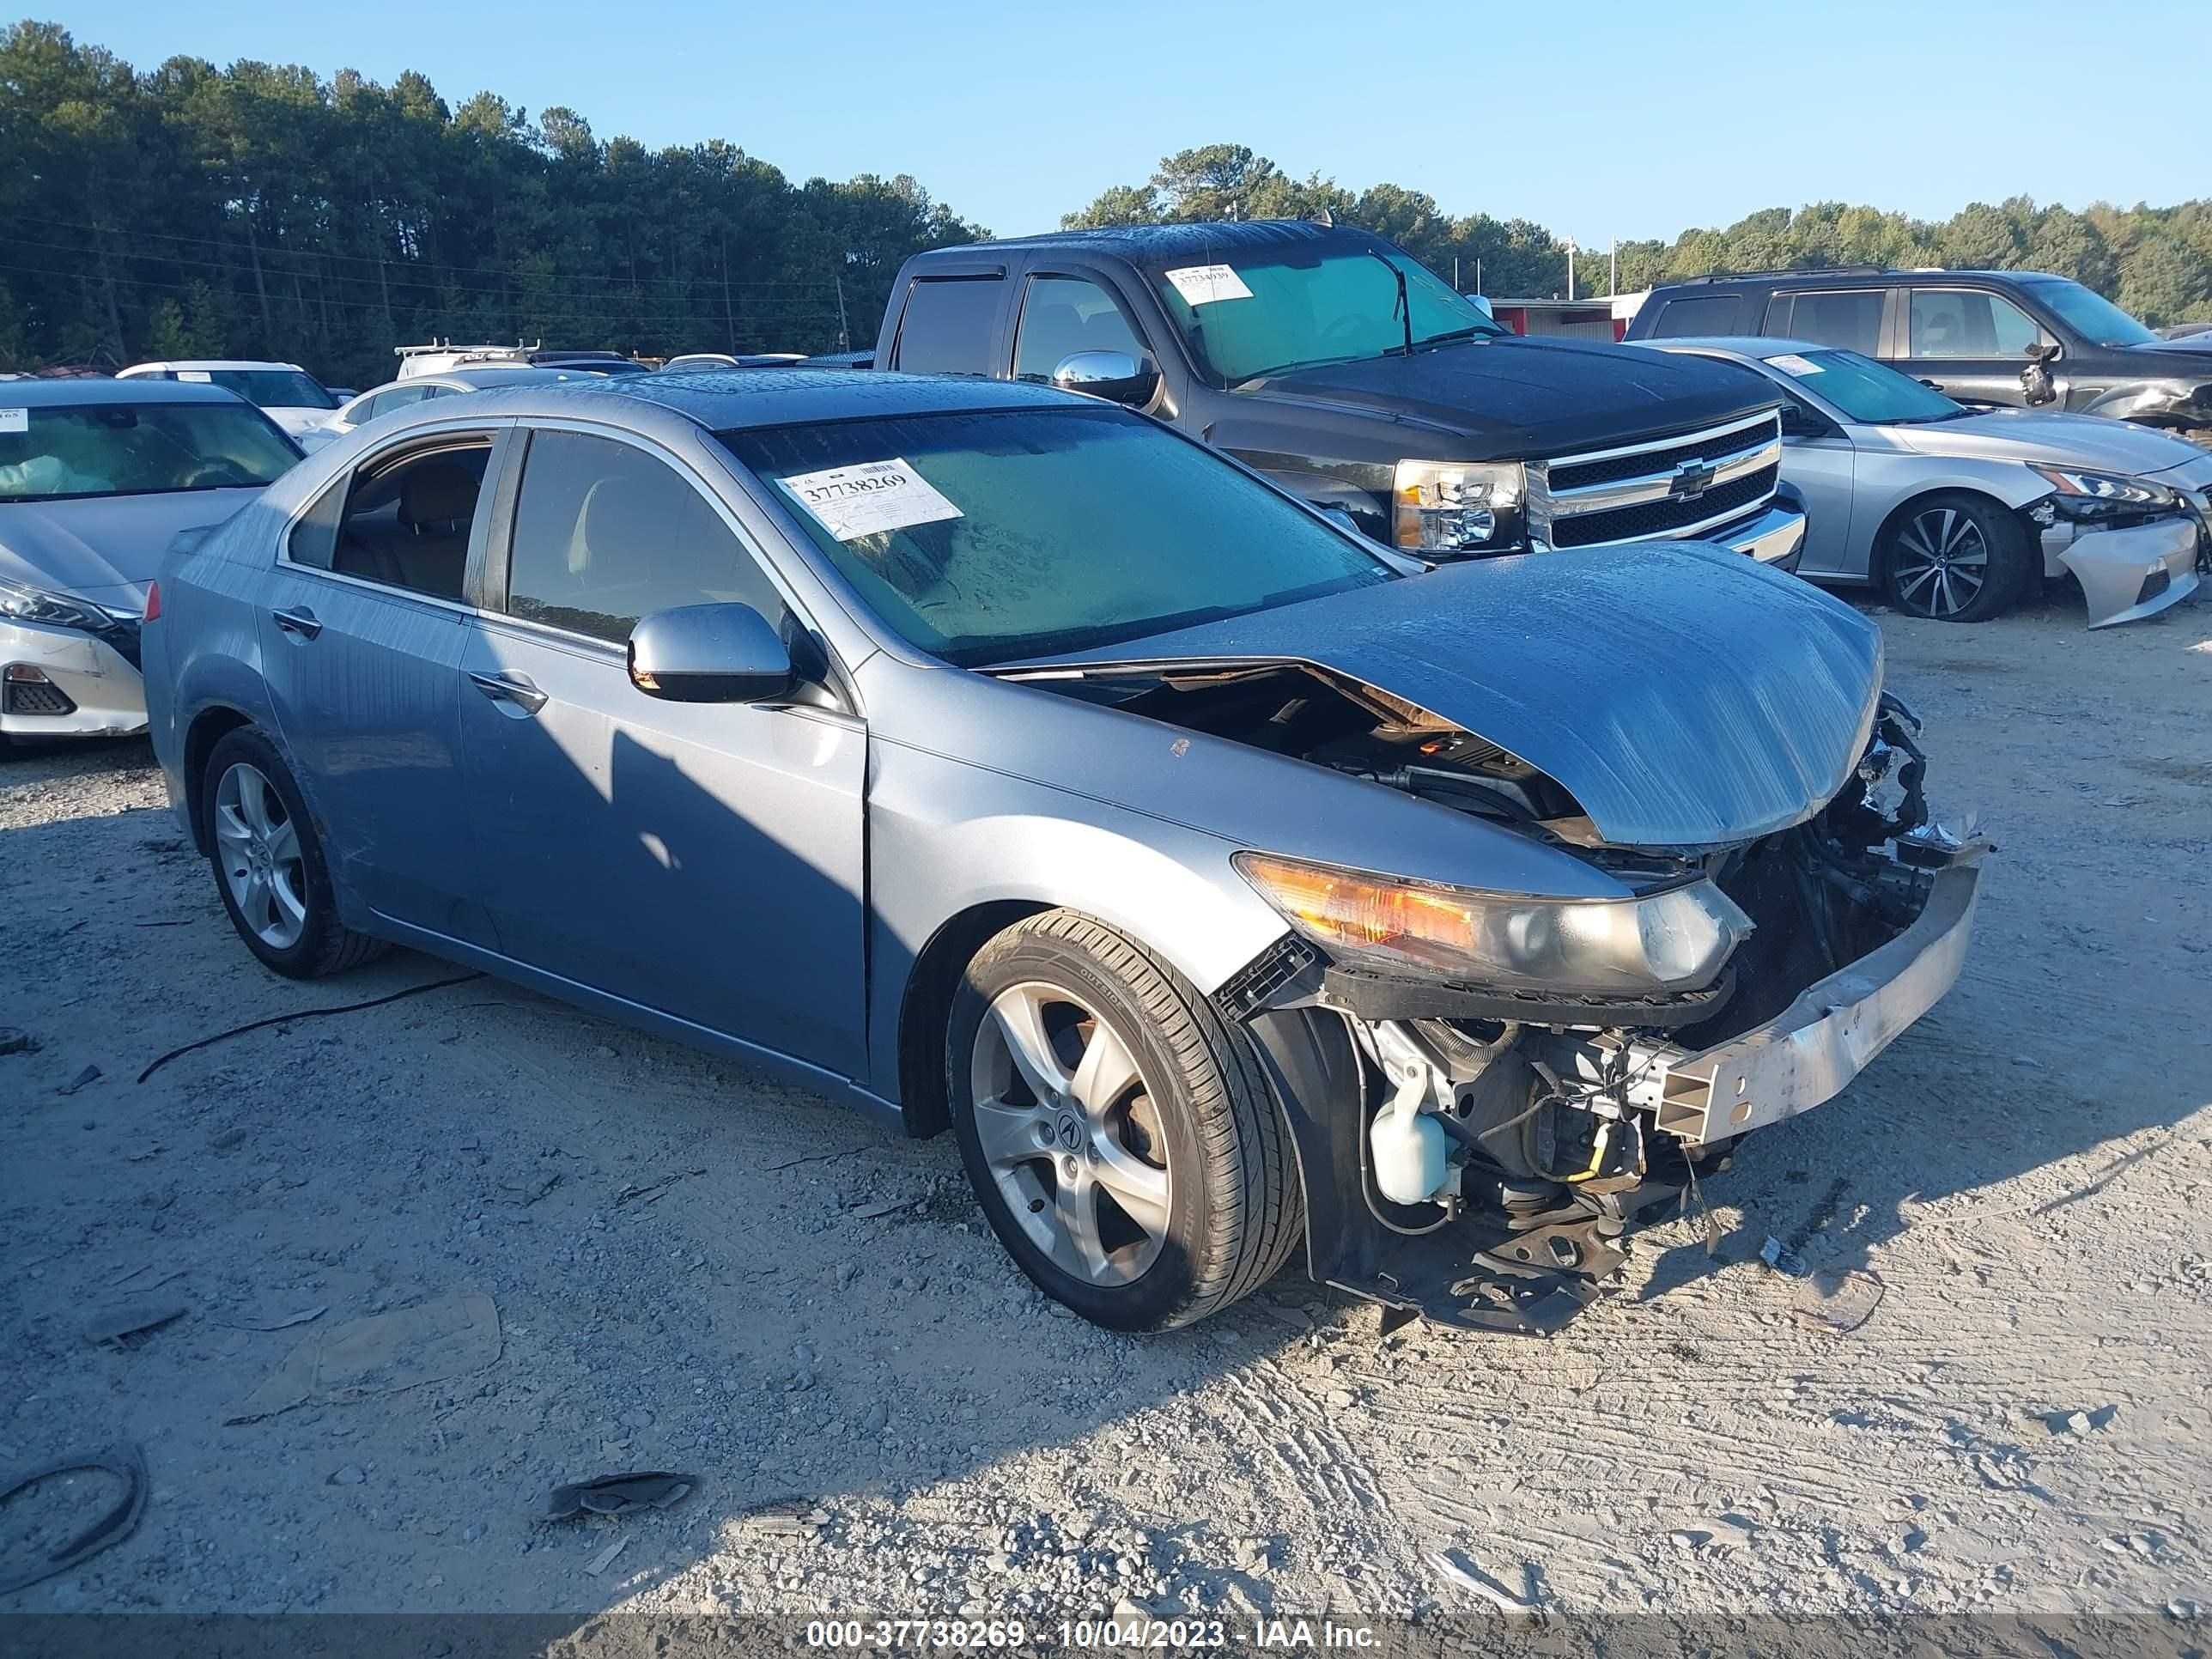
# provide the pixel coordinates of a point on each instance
(1106, 1634)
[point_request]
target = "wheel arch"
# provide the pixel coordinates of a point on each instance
(927, 1003)
(209, 728)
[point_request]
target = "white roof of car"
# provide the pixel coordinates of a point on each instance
(202, 362)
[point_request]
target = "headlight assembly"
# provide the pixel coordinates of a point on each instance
(2104, 494)
(1459, 507)
(1675, 940)
(24, 603)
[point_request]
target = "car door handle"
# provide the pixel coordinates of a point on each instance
(298, 620)
(510, 688)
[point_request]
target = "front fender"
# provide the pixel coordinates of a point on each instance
(946, 838)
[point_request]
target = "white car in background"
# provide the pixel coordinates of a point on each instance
(404, 394)
(97, 477)
(285, 393)
(1956, 513)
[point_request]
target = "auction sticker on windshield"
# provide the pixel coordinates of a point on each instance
(15, 420)
(1201, 285)
(852, 501)
(1790, 363)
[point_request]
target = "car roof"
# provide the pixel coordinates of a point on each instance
(1846, 277)
(1203, 241)
(211, 362)
(62, 394)
(724, 400)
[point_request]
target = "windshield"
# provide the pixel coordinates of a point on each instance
(991, 535)
(269, 388)
(136, 449)
(2090, 314)
(1863, 389)
(1264, 310)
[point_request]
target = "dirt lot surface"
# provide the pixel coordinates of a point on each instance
(694, 1272)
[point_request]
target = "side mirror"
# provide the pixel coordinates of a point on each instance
(2041, 353)
(1114, 375)
(1797, 422)
(710, 654)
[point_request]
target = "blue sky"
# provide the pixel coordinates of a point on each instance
(1596, 120)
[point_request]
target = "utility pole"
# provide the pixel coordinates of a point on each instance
(844, 338)
(1571, 267)
(1612, 269)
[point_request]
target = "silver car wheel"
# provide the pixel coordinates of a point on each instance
(1941, 562)
(1067, 1127)
(257, 850)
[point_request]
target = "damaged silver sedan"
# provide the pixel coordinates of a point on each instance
(1232, 888)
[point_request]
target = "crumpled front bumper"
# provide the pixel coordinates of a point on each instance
(2126, 574)
(109, 698)
(1809, 1052)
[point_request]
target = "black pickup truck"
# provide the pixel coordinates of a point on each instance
(1331, 361)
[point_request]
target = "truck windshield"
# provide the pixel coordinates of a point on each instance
(1863, 389)
(2091, 315)
(991, 535)
(1262, 311)
(75, 450)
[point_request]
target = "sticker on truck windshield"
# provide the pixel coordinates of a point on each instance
(1790, 363)
(200, 375)
(1201, 285)
(15, 420)
(852, 501)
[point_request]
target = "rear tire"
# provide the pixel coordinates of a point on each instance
(1145, 1178)
(269, 866)
(1955, 557)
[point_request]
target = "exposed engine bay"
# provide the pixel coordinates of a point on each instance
(1546, 1124)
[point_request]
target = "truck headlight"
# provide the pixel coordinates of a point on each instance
(1677, 939)
(25, 602)
(1458, 506)
(2104, 494)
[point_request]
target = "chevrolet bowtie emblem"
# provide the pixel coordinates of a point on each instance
(1692, 479)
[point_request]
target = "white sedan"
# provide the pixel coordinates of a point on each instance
(285, 393)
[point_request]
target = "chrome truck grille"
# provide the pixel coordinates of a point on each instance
(1677, 487)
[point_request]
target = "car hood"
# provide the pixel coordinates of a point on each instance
(1683, 695)
(1510, 397)
(106, 549)
(2020, 434)
(2196, 346)
(295, 421)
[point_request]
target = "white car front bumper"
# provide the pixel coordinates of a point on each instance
(84, 688)
(2126, 574)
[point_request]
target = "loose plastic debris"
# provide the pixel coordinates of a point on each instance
(1836, 1302)
(127, 1463)
(618, 1494)
(449, 1336)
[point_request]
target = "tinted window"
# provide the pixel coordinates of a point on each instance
(72, 450)
(407, 521)
(1711, 313)
(1851, 318)
(1061, 315)
(315, 539)
(946, 329)
(605, 533)
(1960, 322)
(990, 536)
(385, 401)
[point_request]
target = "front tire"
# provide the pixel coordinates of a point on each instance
(1956, 557)
(268, 863)
(1118, 1134)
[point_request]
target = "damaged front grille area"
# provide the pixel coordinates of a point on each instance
(1669, 487)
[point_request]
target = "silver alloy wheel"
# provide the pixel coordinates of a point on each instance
(1066, 1123)
(257, 849)
(1941, 562)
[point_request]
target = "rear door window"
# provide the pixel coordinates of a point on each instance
(1708, 313)
(1848, 318)
(406, 521)
(948, 325)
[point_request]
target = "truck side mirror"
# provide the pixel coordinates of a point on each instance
(1114, 375)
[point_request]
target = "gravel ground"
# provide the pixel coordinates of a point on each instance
(695, 1271)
